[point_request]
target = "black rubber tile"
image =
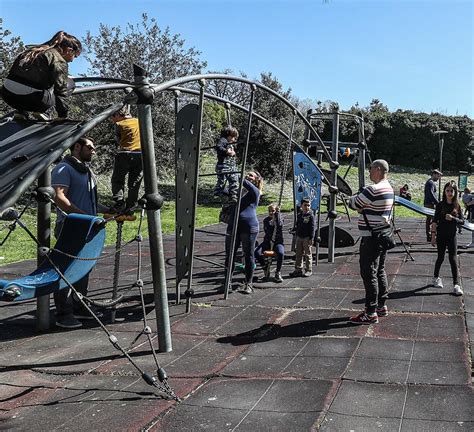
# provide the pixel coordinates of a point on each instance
(239, 394)
(283, 298)
(338, 422)
(317, 367)
(443, 403)
(378, 370)
(330, 347)
(396, 326)
(343, 281)
(278, 421)
(370, 400)
(444, 373)
(323, 298)
(407, 282)
(297, 396)
(445, 304)
(404, 301)
(438, 426)
(318, 323)
(278, 347)
(443, 328)
(188, 418)
(250, 366)
(390, 349)
(439, 351)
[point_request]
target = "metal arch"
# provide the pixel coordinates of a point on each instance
(157, 88)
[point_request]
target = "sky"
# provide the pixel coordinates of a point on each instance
(410, 54)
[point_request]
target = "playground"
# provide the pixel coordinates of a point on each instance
(284, 358)
(178, 347)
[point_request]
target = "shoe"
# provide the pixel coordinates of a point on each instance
(246, 288)
(40, 116)
(382, 311)
(457, 290)
(308, 273)
(21, 115)
(296, 273)
(437, 282)
(84, 314)
(68, 322)
(364, 318)
(278, 278)
(470, 245)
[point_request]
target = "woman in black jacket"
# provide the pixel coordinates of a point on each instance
(448, 215)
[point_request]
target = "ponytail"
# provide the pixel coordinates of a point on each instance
(60, 40)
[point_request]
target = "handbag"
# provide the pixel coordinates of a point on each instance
(382, 234)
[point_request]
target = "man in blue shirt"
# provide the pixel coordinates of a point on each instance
(76, 192)
(430, 198)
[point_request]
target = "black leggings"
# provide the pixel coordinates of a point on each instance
(452, 244)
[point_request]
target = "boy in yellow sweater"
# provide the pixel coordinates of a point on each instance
(128, 160)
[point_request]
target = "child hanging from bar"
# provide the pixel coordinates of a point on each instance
(273, 240)
(128, 161)
(226, 166)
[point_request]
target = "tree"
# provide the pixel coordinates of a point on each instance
(113, 52)
(10, 47)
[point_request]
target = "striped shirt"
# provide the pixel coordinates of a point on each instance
(377, 202)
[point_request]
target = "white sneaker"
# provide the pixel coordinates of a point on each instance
(470, 245)
(437, 282)
(457, 290)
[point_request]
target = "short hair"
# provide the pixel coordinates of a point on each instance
(229, 131)
(381, 163)
(305, 200)
(123, 112)
(82, 141)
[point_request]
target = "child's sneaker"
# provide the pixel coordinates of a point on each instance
(308, 273)
(278, 277)
(457, 290)
(296, 273)
(246, 288)
(437, 282)
(382, 311)
(364, 318)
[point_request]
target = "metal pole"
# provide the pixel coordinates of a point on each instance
(202, 84)
(145, 98)
(43, 233)
(332, 196)
(441, 144)
(361, 155)
(177, 94)
(440, 134)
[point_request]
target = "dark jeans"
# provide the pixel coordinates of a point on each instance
(131, 164)
(63, 299)
(247, 240)
(452, 245)
(222, 177)
(39, 101)
(372, 270)
(264, 246)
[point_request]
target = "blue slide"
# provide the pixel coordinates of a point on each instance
(425, 211)
(83, 237)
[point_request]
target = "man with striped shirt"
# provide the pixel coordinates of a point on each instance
(376, 202)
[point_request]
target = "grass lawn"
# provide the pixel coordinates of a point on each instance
(20, 247)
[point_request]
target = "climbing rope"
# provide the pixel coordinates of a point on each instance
(160, 380)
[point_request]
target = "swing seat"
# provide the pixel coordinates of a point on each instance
(82, 236)
(269, 253)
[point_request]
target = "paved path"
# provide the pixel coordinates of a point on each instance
(282, 359)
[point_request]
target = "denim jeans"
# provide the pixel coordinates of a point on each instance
(372, 270)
